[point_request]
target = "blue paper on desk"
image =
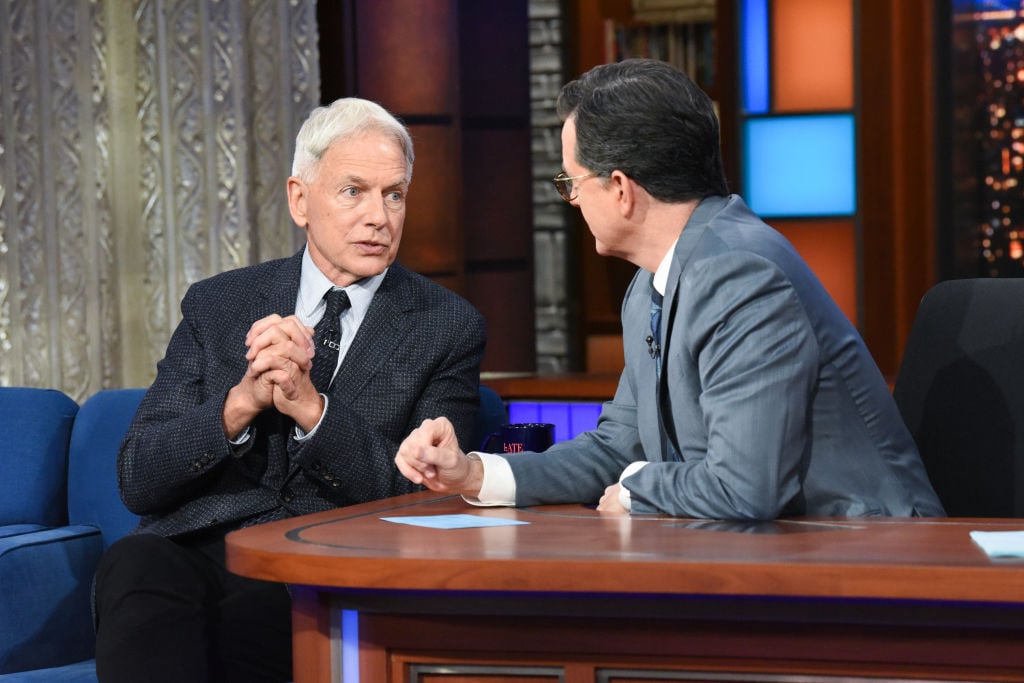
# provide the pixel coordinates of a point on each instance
(452, 521)
(1000, 543)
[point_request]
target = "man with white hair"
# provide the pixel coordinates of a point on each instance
(285, 390)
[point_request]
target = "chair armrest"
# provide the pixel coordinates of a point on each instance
(17, 529)
(46, 601)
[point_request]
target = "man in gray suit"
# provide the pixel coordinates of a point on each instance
(234, 431)
(750, 396)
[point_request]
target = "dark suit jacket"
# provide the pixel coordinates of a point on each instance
(767, 393)
(416, 356)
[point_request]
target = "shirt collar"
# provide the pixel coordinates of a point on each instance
(661, 274)
(313, 284)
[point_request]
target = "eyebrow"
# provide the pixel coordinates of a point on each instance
(363, 182)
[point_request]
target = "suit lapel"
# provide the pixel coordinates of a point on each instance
(384, 328)
(278, 293)
(638, 317)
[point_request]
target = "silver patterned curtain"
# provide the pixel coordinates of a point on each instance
(143, 146)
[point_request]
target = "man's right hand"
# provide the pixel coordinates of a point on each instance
(431, 456)
(280, 353)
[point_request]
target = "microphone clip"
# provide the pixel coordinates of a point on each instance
(653, 348)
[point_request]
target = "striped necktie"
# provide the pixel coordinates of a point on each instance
(326, 340)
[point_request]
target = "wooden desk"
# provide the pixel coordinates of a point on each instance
(576, 596)
(570, 386)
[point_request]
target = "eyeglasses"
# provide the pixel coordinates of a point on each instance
(563, 184)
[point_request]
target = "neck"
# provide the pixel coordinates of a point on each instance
(662, 226)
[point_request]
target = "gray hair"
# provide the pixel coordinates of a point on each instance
(345, 118)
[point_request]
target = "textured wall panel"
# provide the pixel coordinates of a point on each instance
(103, 226)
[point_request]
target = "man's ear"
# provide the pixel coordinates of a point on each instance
(626, 191)
(297, 201)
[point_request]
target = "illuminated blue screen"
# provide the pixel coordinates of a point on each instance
(754, 55)
(800, 165)
(569, 418)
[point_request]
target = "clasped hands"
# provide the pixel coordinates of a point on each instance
(280, 355)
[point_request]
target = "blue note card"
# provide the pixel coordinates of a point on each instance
(452, 521)
(1000, 543)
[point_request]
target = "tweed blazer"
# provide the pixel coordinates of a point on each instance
(416, 356)
(768, 404)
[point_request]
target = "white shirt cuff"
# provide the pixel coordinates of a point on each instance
(632, 468)
(301, 435)
(499, 485)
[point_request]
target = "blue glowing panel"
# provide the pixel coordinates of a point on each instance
(800, 165)
(520, 411)
(558, 415)
(754, 55)
(349, 646)
(569, 418)
(583, 417)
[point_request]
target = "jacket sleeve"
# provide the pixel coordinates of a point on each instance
(176, 440)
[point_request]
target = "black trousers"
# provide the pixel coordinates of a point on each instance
(168, 611)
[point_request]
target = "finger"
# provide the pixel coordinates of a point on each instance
(260, 326)
(279, 353)
(300, 334)
(407, 470)
(416, 469)
(275, 331)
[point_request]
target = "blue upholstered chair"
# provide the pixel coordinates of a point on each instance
(46, 628)
(35, 427)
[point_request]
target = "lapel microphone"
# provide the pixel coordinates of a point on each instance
(653, 348)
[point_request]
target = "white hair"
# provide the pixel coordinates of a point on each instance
(344, 118)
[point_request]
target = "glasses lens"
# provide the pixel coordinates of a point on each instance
(564, 186)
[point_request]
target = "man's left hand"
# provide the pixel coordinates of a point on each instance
(610, 501)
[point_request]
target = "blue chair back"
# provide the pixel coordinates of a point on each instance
(35, 427)
(492, 414)
(93, 496)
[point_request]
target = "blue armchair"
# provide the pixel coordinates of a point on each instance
(46, 628)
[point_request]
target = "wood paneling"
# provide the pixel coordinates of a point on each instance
(495, 65)
(432, 241)
(457, 73)
(506, 299)
(897, 172)
(498, 221)
(407, 55)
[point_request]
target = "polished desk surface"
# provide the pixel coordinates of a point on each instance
(580, 386)
(573, 549)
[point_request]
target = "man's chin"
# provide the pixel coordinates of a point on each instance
(373, 265)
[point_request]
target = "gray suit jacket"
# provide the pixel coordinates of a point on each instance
(768, 395)
(416, 355)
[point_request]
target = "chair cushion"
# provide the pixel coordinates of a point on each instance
(45, 606)
(35, 427)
